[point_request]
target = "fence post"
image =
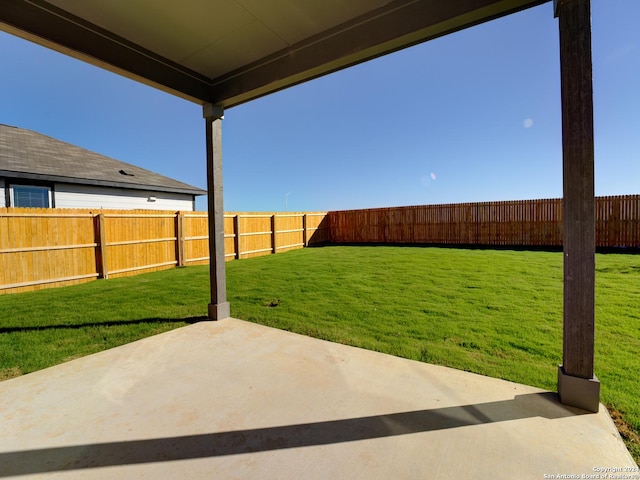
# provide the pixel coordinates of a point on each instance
(180, 244)
(236, 239)
(273, 233)
(305, 239)
(97, 254)
(102, 245)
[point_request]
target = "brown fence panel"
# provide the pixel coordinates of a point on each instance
(139, 241)
(514, 223)
(40, 249)
(196, 238)
(617, 221)
(256, 235)
(317, 228)
(289, 231)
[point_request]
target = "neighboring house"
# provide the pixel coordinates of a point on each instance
(40, 171)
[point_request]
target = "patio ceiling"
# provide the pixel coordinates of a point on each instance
(227, 52)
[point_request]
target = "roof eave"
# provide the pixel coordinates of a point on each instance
(101, 183)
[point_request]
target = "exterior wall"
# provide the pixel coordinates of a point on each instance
(2, 194)
(87, 196)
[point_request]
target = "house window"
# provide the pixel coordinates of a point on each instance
(30, 196)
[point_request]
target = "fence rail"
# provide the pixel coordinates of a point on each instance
(41, 248)
(528, 223)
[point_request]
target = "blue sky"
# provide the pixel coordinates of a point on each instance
(473, 116)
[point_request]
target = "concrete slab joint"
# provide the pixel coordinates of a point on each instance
(579, 392)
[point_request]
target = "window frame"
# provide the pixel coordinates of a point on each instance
(10, 195)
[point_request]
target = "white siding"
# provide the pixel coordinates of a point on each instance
(87, 196)
(2, 194)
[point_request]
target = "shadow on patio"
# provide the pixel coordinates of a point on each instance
(291, 436)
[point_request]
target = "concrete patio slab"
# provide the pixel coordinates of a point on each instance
(235, 400)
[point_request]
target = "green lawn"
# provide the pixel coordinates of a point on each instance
(496, 313)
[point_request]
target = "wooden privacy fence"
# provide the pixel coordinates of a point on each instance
(528, 223)
(249, 235)
(42, 248)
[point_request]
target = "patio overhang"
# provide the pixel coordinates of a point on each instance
(229, 52)
(221, 53)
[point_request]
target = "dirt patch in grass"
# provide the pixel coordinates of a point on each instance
(73, 357)
(7, 373)
(273, 303)
(630, 437)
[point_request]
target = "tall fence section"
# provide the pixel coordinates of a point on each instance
(42, 248)
(530, 223)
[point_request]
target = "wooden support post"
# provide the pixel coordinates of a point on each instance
(273, 234)
(577, 384)
(236, 239)
(219, 307)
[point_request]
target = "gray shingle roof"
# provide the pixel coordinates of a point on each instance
(30, 155)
